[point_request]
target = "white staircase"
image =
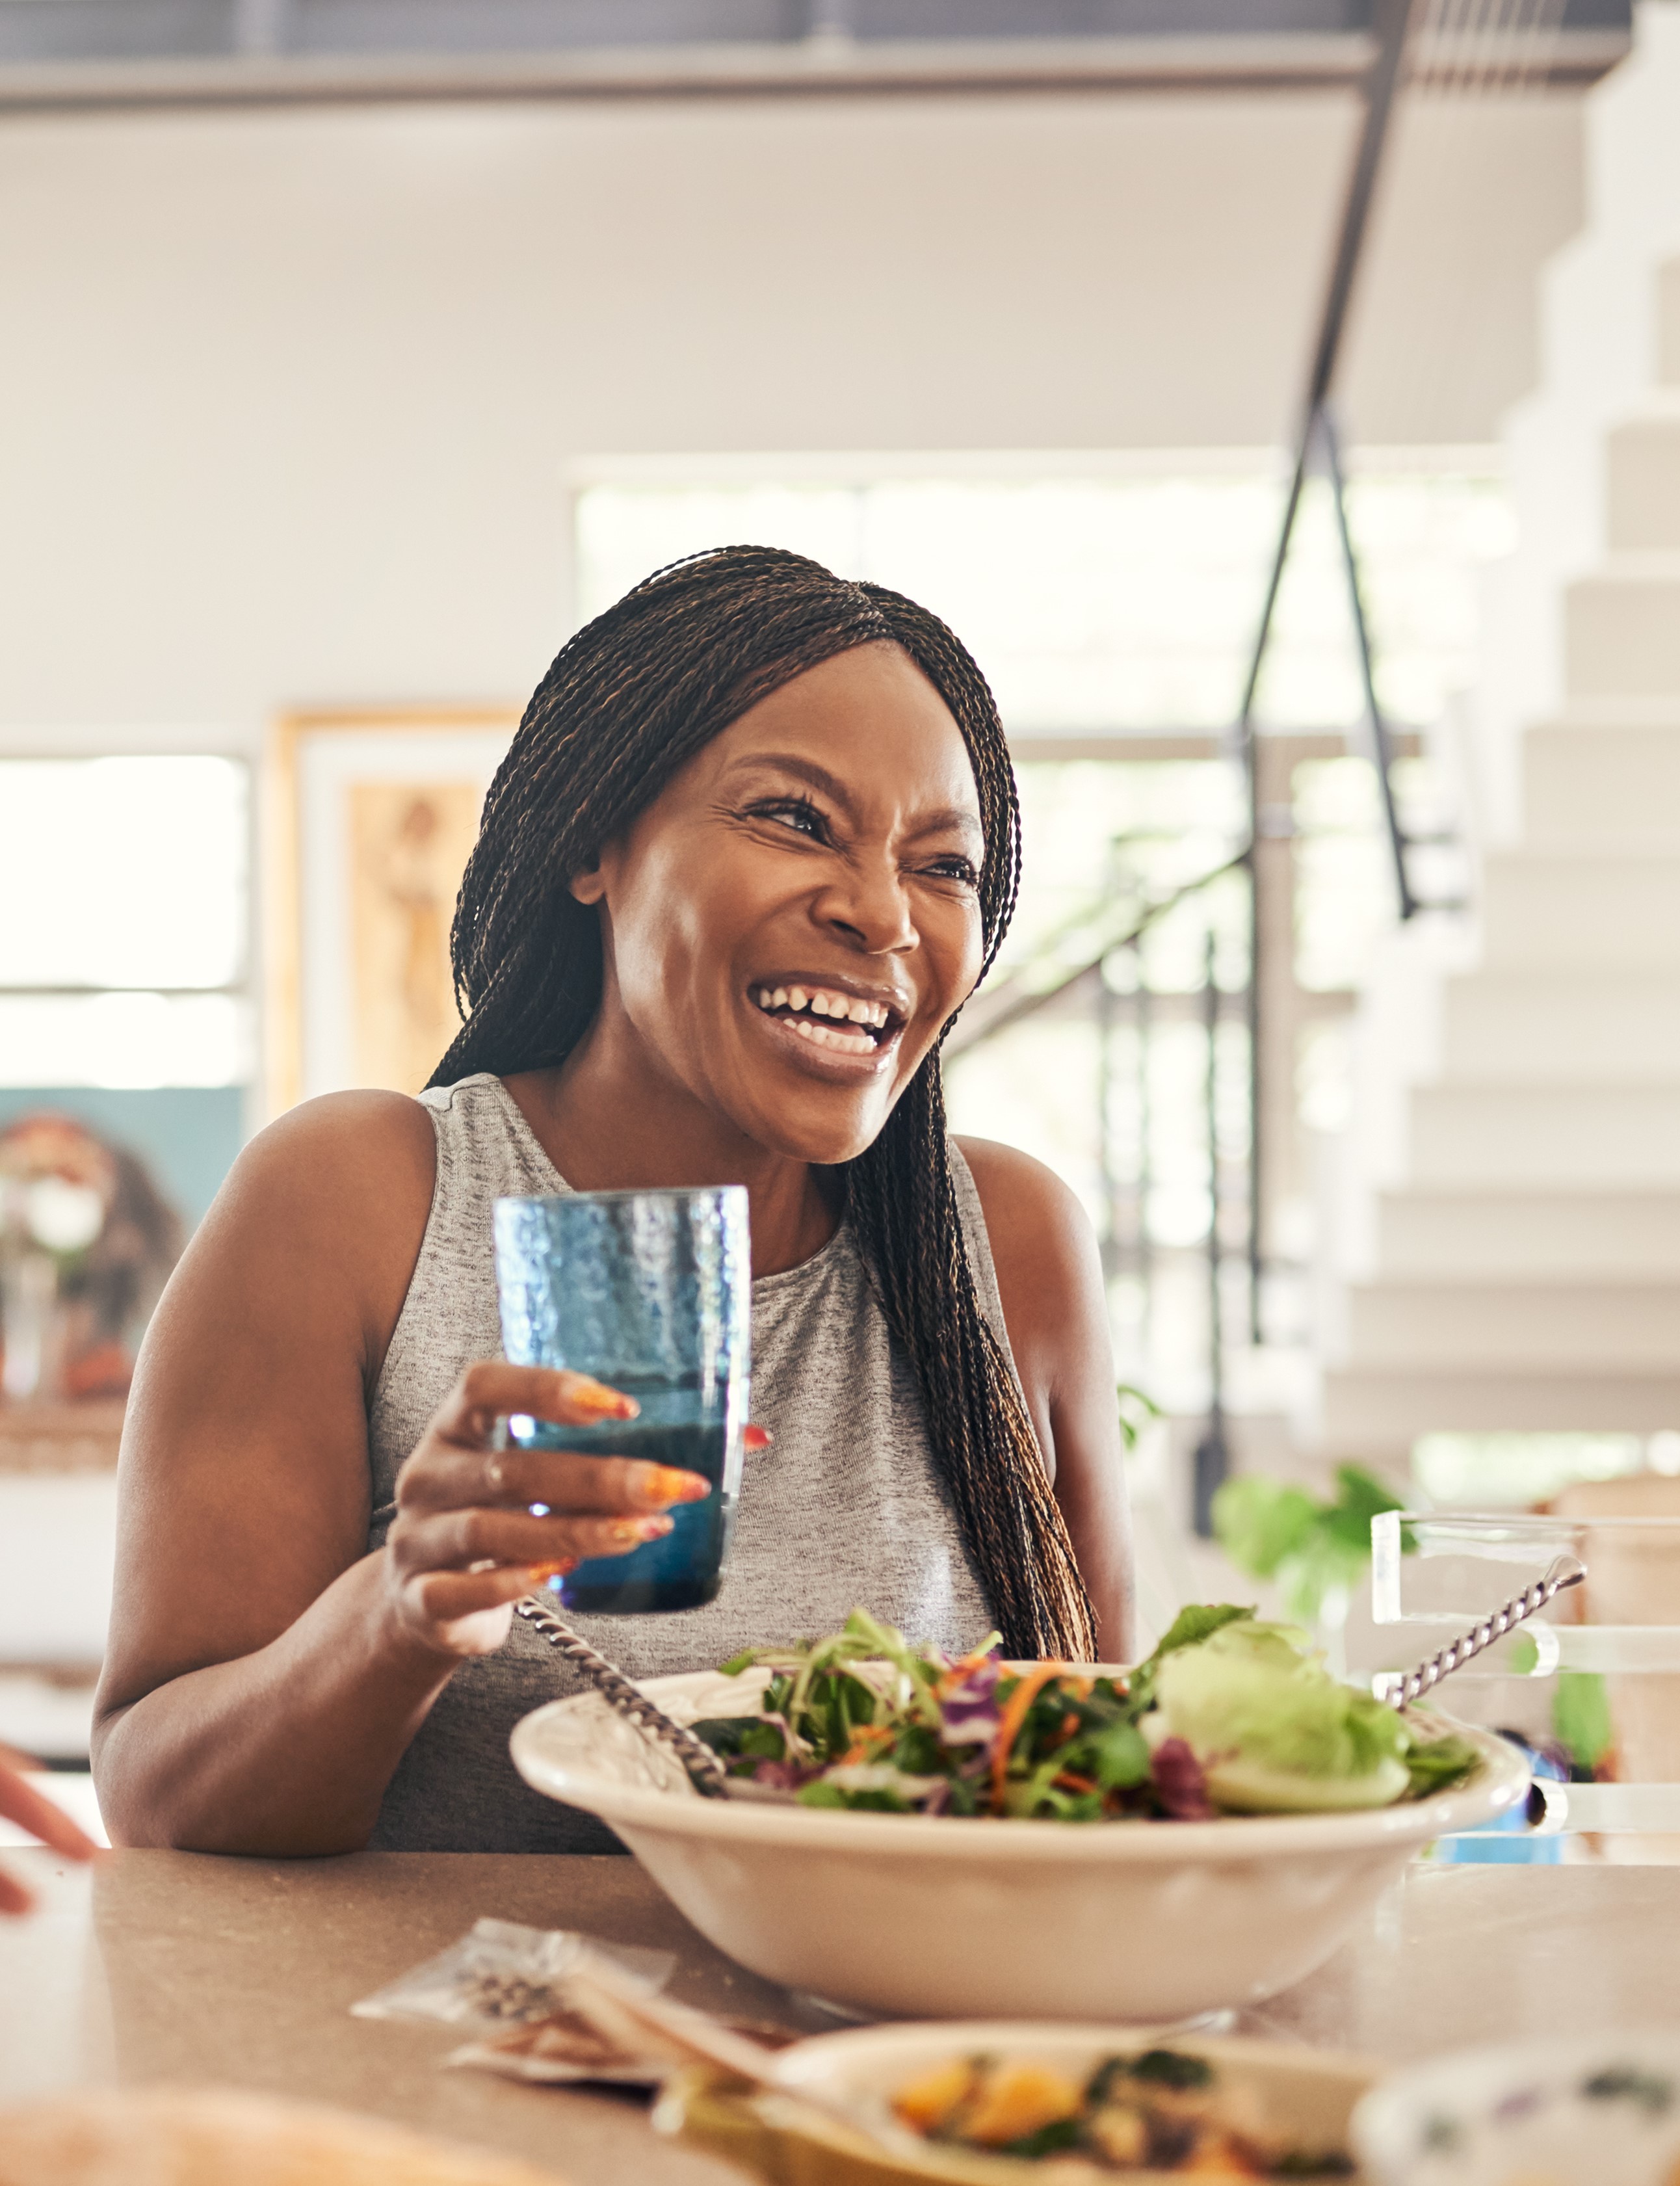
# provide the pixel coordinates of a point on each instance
(1505, 1211)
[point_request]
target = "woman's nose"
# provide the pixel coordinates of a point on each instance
(870, 907)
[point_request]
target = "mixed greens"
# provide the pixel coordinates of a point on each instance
(1229, 1715)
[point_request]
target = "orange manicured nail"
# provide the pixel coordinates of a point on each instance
(602, 1402)
(540, 1574)
(630, 1530)
(757, 1438)
(669, 1483)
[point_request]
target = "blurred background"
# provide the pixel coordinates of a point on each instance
(1281, 397)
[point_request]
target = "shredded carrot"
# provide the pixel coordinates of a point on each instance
(1068, 1781)
(865, 1735)
(1014, 1715)
(958, 1671)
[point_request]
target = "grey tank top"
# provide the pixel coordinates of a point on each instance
(844, 1508)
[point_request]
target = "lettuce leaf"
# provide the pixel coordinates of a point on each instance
(1253, 1694)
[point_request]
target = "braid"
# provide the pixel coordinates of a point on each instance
(627, 701)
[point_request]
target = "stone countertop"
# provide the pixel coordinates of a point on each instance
(176, 1966)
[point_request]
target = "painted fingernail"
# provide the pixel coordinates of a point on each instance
(602, 1402)
(540, 1574)
(630, 1530)
(757, 1438)
(669, 1483)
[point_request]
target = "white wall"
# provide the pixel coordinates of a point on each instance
(289, 396)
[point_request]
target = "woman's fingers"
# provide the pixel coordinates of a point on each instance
(20, 1802)
(442, 1597)
(456, 1540)
(13, 1897)
(490, 1390)
(552, 1480)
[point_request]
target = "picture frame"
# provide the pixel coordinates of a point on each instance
(369, 814)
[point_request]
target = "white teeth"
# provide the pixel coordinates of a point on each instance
(824, 1002)
(823, 1036)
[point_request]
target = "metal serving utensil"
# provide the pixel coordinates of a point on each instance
(701, 1767)
(1563, 1570)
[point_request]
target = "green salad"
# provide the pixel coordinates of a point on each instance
(1229, 1715)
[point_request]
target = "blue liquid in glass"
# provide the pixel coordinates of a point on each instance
(681, 1425)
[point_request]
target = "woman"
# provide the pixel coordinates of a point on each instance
(753, 845)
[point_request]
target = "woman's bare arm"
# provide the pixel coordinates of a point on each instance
(265, 1673)
(255, 1695)
(1050, 1277)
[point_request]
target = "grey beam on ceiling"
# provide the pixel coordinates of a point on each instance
(79, 54)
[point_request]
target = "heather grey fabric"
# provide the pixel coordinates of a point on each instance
(844, 1508)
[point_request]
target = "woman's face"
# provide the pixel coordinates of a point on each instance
(790, 921)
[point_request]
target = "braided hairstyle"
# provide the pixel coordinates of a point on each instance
(627, 701)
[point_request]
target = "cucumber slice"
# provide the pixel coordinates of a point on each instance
(1249, 1787)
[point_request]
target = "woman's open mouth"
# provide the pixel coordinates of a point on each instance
(828, 1018)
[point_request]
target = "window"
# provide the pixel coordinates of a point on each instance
(124, 922)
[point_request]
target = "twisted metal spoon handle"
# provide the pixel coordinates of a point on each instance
(704, 1771)
(1562, 1571)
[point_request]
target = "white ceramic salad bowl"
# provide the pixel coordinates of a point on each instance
(928, 1916)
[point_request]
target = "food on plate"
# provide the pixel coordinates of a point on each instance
(1162, 2110)
(1229, 1715)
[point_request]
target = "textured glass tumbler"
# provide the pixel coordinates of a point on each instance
(651, 1293)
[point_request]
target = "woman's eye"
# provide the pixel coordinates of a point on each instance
(797, 813)
(954, 869)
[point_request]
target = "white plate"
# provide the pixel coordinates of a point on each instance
(927, 1916)
(1600, 2110)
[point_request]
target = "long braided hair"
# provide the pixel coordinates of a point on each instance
(628, 700)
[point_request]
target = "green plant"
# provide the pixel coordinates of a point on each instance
(1275, 1529)
(1581, 1720)
(1136, 1411)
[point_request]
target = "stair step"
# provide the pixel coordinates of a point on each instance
(1642, 461)
(1561, 1027)
(1382, 1414)
(1590, 909)
(1620, 781)
(1463, 1236)
(1506, 1327)
(1621, 630)
(1546, 1136)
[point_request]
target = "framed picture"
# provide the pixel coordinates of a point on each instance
(370, 818)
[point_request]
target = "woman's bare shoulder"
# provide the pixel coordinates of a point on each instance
(1026, 1204)
(1048, 1270)
(341, 1185)
(336, 1157)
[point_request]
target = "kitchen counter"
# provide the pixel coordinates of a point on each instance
(176, 1966)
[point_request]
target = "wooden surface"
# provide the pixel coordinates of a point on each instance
(171, 1966)
(61, 1437)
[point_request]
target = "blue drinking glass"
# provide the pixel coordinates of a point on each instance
(652, 1293)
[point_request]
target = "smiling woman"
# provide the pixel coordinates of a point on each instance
(753, 846)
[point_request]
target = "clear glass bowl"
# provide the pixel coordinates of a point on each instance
(1594, 1677)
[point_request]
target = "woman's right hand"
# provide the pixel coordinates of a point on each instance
(476, 1525)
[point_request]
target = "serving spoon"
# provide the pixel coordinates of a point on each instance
(701, 1767)
(708, 1776)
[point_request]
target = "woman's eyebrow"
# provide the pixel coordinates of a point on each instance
(947, 817)
(806, 769)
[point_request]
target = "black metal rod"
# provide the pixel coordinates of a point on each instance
(1257, 1093)
(1393, 22)
(1382, 743)
(1212, 1457)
